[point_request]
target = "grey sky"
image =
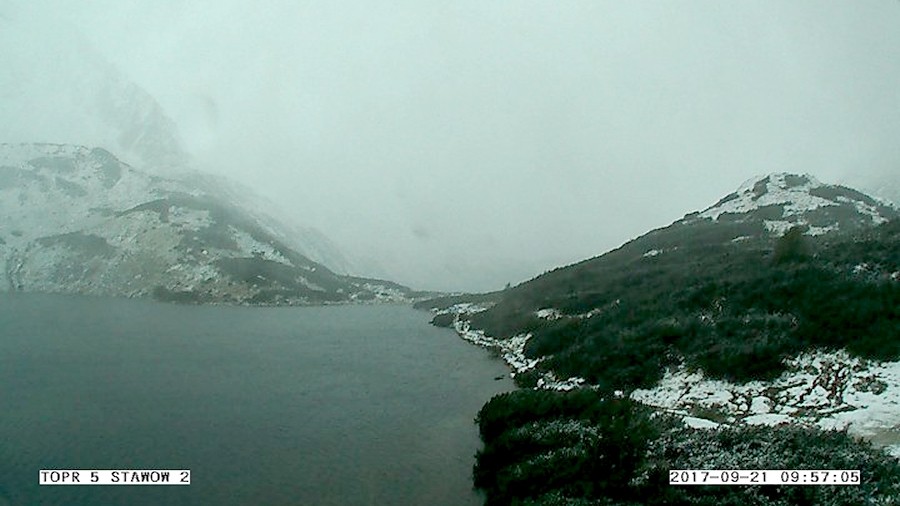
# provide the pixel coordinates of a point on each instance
(466, 144)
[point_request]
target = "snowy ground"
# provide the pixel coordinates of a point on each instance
(830, 390)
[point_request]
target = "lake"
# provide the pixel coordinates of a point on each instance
(338, 405)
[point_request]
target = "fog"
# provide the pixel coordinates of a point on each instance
(465, 145)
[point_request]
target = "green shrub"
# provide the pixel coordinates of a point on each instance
(585, 448)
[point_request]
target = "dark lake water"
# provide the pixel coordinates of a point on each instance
(339, 405)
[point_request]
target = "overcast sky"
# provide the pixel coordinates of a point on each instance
(462, 145)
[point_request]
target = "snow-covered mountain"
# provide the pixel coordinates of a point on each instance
(781, 201)
(78, 220)
(57, 88)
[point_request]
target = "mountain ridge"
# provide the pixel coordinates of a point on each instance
(82, 221)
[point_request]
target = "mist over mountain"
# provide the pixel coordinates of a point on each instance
(59, 89)
(886, 187)
(78, 220)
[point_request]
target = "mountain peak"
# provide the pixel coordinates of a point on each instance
(779, 181)
(784, 200)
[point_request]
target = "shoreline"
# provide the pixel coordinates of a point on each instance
(511, 351)
(828, 390)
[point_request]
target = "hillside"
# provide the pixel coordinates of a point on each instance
(776, 309)
(78, 220)
(751, 275)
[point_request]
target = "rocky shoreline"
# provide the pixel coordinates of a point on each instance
(511, 351)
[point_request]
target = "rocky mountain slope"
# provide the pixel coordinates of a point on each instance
(772, 315)
(78, 220)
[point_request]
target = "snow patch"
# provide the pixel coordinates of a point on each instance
(549, 381)
(796, 199)
(383, 293)
(824, 389)
(811, 230)
(778, 227)
(869, 210)
(794, 196)
(250, 246)
(699, 423)
(549, 314)
(760, 405)
(767, 419)
(190, 219)
(463, 308)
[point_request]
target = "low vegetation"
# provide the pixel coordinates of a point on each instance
(733, 309)
(584, 448)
